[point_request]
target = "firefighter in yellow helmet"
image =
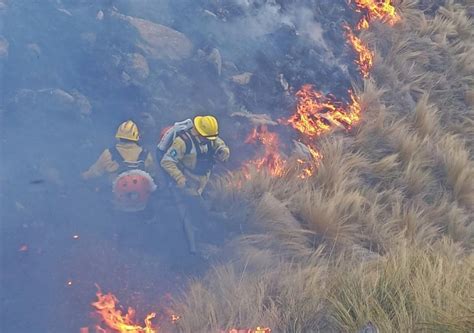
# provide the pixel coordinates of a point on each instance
(192, 154)
(128, 166)
(188, 161)
(126, 153)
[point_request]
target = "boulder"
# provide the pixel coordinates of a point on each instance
(158, 41)
(242, 79)
(53, 99)
(215, 59)
(136, 66)
(82, 103)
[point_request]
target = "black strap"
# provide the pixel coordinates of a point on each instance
(126, 165)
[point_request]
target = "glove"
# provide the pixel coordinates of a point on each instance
(181, 182)
(222, 153)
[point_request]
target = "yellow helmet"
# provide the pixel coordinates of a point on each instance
(128, 130)
(207, 126)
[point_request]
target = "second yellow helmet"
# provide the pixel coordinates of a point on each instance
(207, 126)
(128, 130)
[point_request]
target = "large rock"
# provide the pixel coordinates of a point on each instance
(158, 41)
(53, 100)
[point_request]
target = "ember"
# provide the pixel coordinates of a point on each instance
(106, 307)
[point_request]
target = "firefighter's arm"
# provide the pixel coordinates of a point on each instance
(170, 161)
(103, 164)
(222, 151)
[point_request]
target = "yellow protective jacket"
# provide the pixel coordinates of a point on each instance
(105, 164)
(181, 161)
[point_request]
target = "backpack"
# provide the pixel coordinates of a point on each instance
(205, 161)
(124, 165)
(169, 134)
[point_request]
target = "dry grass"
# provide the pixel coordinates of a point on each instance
(409, 290)
(383, 231)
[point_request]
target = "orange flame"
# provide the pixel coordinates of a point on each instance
(106, 307)
(377, 9)
(363, 24)
(365, 55)
(309, 167)
(317, 114)
(271, 159)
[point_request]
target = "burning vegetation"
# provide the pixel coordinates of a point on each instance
(107, 307)
(387, 213)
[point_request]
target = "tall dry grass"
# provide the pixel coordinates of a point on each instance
(383, 232)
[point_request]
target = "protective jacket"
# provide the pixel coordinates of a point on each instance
(122, 157)
(192, 160)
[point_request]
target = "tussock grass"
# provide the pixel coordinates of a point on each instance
(383, 231)
(410, 289)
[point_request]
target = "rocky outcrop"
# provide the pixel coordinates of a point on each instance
(53, 100)
(158, 41)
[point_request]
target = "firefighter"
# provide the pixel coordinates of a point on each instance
(129, 167)
(192, 154)
(189, 161)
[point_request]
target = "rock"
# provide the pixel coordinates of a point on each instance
(255, 119)
(53, 99)
(283, 82)
(136, 67)
(158, 41)
(4, 45)
(302, 151)
(208, 13)
(215, 58)
(82, 103)
(242, 79)
(57, 97)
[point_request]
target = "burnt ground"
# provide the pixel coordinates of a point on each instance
(67, 82)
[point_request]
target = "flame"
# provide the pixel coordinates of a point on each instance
(363, 24)
(309, 167)
(271, 159)
(317, 114)
(106, 307)
(381, 10)
(365, 55)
